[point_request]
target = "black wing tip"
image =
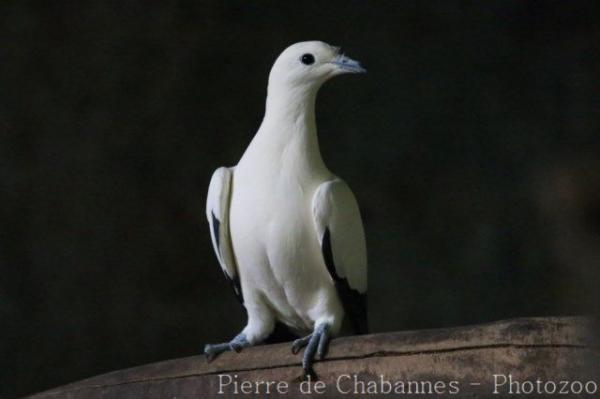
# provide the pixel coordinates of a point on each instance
(355, 303)
(216, 228)
(237, 288)
(328, 255)
(355, 306)
(236, 285)
(234, 281)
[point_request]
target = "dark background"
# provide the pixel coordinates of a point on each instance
(472, 145)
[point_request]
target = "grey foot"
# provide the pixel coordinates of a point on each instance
(213, 350)
(316, 347)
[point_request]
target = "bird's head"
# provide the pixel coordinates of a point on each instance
(307, 65)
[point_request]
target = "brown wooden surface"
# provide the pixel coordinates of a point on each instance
(555, 348)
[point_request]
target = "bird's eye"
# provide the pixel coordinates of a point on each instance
(307, 59)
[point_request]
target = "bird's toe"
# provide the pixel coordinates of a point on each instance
(238, 343)
(316, 347)
(323, 343)
(235, 347)
(309, 374)
(212, 351)
(300, 343)
(209, 352)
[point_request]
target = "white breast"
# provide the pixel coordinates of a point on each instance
(273, 233)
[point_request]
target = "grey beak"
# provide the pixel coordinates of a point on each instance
(347, 64)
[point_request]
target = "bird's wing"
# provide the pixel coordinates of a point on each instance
(341, 236)
(217, 213)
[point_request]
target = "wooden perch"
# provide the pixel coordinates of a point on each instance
(426, 363)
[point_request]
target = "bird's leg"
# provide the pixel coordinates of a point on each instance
(316, 347)
(260, 325)
(236, 345)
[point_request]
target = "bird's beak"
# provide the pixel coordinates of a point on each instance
(347, 65)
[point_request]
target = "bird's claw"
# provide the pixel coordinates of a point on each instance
(300, 343)
(210, 352)
(316, 348)
(309, 375)
(235, 345)
(210, 357)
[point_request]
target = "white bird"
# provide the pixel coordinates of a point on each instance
(286, 231)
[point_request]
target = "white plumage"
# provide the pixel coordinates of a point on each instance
(287, 231)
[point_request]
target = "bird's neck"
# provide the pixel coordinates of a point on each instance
(294, 106)
(290, 125)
